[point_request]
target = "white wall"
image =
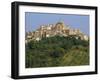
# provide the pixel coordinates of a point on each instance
(5, 38)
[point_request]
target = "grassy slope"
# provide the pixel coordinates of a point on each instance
(57, 51)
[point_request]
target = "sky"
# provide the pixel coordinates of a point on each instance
(34, 20)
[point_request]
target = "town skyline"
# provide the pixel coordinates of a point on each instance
(57, 29)
(80, 22)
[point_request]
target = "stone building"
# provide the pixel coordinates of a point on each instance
(54, 29)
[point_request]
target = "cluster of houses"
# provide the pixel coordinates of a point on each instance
(52, 30)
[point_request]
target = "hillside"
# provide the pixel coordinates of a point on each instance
(57, 51)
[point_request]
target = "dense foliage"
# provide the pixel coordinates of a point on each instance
(57, 51)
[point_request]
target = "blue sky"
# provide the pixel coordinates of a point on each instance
(34, 20)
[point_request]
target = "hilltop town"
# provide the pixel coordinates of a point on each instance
(51, 30)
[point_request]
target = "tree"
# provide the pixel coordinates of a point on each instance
(50, 51)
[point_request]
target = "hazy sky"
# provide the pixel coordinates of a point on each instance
(34, 20)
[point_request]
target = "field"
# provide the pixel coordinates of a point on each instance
(57, 51)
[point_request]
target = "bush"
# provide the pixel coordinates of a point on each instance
(58, 52)
(50, 51)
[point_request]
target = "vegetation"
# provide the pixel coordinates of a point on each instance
(57, 51)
